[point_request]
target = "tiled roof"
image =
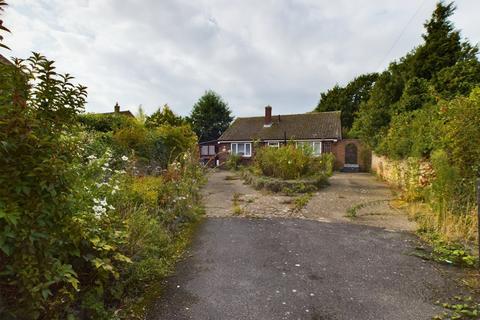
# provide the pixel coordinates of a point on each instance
(4, 60)
(123, 113)
(314, 125)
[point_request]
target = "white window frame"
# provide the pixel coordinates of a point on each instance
(311, 144)
(202, 149)
(234, 148)
(273, 144)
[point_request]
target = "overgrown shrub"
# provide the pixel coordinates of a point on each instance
(106, 122)
(80, 231)
(292, 162)
(233, 161)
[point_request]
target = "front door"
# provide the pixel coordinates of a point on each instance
(351, 154)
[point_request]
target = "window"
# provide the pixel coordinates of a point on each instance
(274, 144)
(243, 149)
(211, 150)
(207, 150)
(316, 146)
(326, 146)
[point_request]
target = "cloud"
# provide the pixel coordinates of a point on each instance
(253, 53)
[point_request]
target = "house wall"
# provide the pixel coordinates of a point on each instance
(224, 152)
(208, 160)
(337, 148)
(364, 155)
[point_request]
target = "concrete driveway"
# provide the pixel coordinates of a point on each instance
(290, 268)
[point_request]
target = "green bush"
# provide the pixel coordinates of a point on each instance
(233, 161)
(291, 162)
(106, 122)
(79, 230)
(288, 187)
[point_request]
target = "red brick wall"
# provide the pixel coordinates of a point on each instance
(224, 152)
(364, 155)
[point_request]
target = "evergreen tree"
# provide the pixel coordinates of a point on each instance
(443, 66)
(210, 116)
(443, 46)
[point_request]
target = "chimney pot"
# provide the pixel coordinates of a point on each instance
(268, 116)
(117, 108)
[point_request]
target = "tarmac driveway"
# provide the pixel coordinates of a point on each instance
(290, 268)
(241, 268)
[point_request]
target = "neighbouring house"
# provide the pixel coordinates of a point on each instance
(208, 153)
(4, 60)
(116, 111)
(320, 130)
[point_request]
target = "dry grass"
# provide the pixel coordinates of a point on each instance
(461, 228)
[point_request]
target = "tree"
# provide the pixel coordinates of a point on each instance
(163, 116)
(373, 117)
(347, 99)
(443, 46)
(442, 67)
(458, 79)
(210, 116)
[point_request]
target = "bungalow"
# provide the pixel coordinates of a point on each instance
(320, 130)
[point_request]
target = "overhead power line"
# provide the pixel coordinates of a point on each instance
(401, 34)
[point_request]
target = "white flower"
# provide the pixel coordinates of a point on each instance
(96, 200)
(125, 158)
(91, 157)
(99, 211)
(111, 207)
(114, 191)
(103, 202)
(116, 188)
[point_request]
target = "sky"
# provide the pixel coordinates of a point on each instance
(283, 53)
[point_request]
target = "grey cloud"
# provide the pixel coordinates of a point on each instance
(253, 53)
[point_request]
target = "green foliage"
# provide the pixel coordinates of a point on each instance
(443, 46)
(234, 161)
(460, 309)
(301, 201)
(141, 115)
(290, 162)
(288, 187)
(106, 122)
(347, 99)
(443, 66)
(163, 116)
(210, 117)
(459, 79)
(37, 115)
(79, 230)
(156, 147)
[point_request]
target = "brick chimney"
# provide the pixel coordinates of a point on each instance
(117, 108)
(268, 116)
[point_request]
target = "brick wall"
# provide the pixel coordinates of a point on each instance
(364, 155)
